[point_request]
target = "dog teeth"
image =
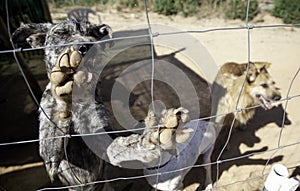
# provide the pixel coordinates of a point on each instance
(266, 103)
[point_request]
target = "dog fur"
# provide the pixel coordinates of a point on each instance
(259, 89)
(69, 159)
(175, 145)
(154, 154)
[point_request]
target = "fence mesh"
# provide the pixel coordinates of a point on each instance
(152, 35)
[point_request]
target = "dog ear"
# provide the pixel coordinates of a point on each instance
(262, 66)
(33, 33)
(252, 72)
(100, 31)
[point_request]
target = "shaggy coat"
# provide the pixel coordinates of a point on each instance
(67, 158)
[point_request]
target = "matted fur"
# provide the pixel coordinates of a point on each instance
(69, 159)
(259, 88)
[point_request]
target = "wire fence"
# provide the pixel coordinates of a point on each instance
(248, 27)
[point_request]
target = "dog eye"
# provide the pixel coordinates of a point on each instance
(265, 85)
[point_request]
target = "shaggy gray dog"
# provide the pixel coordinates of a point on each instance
(67, 158)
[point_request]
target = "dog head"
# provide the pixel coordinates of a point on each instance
(58, 37)
(262, 87)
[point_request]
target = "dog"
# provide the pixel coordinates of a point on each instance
(170, 149)
(67, 158)
(259, 89)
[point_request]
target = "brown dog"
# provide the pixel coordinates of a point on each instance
(259, 88)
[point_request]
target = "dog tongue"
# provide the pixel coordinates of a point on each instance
(266, 103)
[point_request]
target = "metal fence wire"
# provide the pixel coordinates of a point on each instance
(247, 28)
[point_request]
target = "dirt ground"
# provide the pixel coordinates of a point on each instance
(22, 169)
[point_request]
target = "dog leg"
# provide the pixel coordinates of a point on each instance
(51, 149)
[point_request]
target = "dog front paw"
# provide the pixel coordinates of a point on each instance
(61, 76)
(169, 128)
(62, 79)
(173, 120)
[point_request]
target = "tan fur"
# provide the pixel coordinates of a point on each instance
(257, 87)
(62, 76)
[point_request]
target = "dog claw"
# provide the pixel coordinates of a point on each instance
(75, 59)
(63, 61)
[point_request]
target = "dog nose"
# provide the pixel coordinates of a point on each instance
(29, 40)
(83, 49)
(277, 97)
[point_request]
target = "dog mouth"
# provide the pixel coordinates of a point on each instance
(265, 102)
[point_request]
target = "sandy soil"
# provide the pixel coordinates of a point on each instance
(280, 46)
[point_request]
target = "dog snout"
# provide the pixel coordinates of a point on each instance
(276, 97)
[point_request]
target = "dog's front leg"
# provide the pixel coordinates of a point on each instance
(50, 146)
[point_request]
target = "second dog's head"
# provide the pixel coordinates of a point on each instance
(58, 37)
(262, 87)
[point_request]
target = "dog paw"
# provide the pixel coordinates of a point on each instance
(173, 120)
(66, 64)
(167, 128)
(63, 76)
(62, 73)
